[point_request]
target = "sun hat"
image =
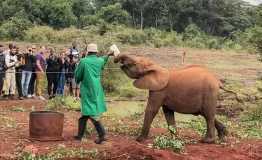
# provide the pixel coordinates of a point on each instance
(92, 48)
(75, 55)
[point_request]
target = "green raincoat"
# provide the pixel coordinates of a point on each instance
(92, 94)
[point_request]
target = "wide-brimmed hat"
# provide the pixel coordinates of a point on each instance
(75, 55)
(92, 48)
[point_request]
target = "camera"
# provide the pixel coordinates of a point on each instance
(30, 50)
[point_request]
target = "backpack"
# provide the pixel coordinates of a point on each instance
(22, 60)
(4, 65)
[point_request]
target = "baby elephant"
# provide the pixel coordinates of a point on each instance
(189, 90)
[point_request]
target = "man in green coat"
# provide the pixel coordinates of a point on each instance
(92, 94)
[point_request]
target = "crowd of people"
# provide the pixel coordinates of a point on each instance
(25, 72)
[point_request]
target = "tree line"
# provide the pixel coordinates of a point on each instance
(221, 18)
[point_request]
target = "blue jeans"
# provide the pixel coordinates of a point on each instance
(62, 80)
(26, 76)
(31, 88)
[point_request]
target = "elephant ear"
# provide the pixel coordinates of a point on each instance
(154, 79)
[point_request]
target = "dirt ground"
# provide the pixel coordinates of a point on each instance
(121, 146)
(118, 146)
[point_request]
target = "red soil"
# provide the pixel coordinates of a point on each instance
(118, 146)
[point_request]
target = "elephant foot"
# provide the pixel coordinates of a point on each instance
(222, 133)
(221, 129)
(208, 140)
(141, 138)
(173, 130)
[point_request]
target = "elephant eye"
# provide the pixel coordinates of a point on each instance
(129, 66)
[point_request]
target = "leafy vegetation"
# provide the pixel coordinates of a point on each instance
(245, 127)
(254, 113)
(164, 142)
(172, 143)
(62, 152)
(195, 23)
(221, 24)
(65, 103)
(150, 23)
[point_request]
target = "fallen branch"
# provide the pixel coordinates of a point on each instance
(119, 156)
(128, 156)
(142, 145)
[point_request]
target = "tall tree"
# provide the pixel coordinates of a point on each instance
(114, 14)
(60, 14)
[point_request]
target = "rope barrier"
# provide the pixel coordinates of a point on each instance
(59, 72)
(74, 72)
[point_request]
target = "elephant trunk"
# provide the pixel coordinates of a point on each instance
(120, 57)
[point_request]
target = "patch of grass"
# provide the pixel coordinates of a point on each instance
(123, 130)
(252, 93)
(89, 129)
(67, 103)
(62, 152)
(254, 113)
(229, 104)
(224, 120)
(165, 142)
(7, 119)
(198, 125)
(20, 109)
(129, 91)
(248, 129)
(136, 116)
(233, 85)
(117, 125)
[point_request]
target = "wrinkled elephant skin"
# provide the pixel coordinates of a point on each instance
(189, 90)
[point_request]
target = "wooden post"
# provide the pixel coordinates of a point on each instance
(183, 59)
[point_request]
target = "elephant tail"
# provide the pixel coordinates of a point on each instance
(227, 90)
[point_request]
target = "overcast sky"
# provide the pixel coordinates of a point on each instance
(254, 2)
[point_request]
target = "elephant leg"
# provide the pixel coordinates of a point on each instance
(208, 112)
(169, 115)
(149, 116)
(221, 128)
(210, 133)
(154, 103)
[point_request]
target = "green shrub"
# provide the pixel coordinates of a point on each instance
(132, 37)
(62, 152)
(88, 20)
(257, 40)
(105, 35)
(255, 113)
(128, 92)
(66, 103)
(114, 14)
(164, 142)
(111, 79)
(213, 43)
(160, 38)
(40, 34)
(13, 29)
(192, 31)
(250, 40)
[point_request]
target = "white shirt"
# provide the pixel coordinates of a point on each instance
(6, 52)
(74, 52)
(8, 58)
